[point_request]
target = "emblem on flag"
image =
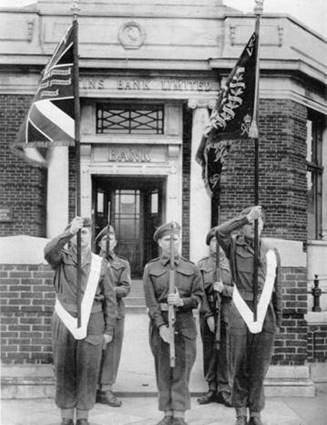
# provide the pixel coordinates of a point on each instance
(231, 117)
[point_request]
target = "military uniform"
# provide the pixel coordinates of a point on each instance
(77, 361)
(250, 352)
(120, 270)
(173, 383)
(215, 363)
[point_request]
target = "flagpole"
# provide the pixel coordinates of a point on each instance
(254, 134)
(77, 115)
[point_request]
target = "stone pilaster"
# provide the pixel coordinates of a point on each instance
(324, 187)
(57, 200)
(200, 202)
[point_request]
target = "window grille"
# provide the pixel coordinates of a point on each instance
(130, 119)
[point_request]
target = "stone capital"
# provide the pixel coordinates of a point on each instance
(194, 103)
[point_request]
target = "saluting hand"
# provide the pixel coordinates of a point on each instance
(218, 286)
(254, 214)
(164, 333)
(76, 225)
(106, 340)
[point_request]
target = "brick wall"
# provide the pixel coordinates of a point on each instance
(282, 171)
(22, 187)
(317, 343)
(187, 140)
(291, 343)
(27, 299)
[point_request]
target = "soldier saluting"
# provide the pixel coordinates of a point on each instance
(251, 341)
(77, 349)
(215, 355)
(172, 377)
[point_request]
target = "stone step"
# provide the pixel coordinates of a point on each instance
(136, 288)
(135, 302)
(131, 301)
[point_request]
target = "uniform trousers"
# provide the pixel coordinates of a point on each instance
(77, 363)
(173, 383)
(111, 355)
(215, 362)
(250, 356)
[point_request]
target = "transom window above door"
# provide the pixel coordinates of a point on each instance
(129, 119)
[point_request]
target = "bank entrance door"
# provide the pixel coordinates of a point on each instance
(134, 206)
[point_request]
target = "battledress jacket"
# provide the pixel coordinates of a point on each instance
(121, 274)
(207, 268)
(156, 287)
(63, 262)
(240, 252)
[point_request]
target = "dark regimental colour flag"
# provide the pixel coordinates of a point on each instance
(50, 119)
(232, 116)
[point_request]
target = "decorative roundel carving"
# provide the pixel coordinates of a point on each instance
(131, 35)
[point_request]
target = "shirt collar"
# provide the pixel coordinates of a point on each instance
(86, 259)
(164, 260)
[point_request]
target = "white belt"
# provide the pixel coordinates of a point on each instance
(243, 308)
(86, 305)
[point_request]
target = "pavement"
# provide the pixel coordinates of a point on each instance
(144, 411)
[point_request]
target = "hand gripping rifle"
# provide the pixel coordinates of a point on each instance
(171, 307)
(217, 298)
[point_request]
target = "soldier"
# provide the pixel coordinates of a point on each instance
(77, 350)
(120, 269)
(172, 382)
(215, 359)
(251, 342)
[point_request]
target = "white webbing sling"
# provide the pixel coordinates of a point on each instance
(243, 308)
(86, 305)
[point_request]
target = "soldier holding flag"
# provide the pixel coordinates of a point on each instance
(215, 356)
(172, 374)
(251, 335)
(77, 349)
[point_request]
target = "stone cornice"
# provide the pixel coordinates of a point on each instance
(286, 45)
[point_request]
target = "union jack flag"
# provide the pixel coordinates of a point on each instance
(231, 118)
(50, 120)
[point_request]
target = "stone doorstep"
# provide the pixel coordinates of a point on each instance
(37, 381)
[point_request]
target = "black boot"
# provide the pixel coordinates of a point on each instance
(255, 420)
(82, 422)
(241, 420)
(207, 398)
(109, 398)
(167, 420)
(224, 398)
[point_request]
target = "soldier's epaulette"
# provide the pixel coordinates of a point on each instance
(121, 257)
(186, 260)
(153, 260)
(203, 259)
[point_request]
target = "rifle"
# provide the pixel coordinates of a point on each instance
(217, 298)
(171, 308)
(108, 236)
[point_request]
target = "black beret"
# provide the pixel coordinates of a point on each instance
(104, 232)
(166, 229)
